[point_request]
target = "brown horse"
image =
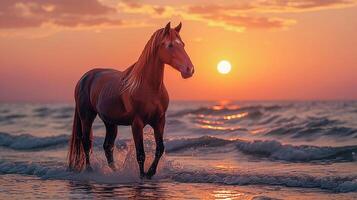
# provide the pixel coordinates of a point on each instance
(135, 97)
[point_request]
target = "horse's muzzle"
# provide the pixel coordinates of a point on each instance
(188, 72)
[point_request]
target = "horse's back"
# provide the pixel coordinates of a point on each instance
(92, 83)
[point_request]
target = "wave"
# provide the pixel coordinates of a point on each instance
(303, 153)
(332, 183)
(310, 128)
(9, 118)
(185, 144)
(302, 131)
(60, 112)
(103, 174)
(226, 110)
(277, 121)
(29, 142)
(270, 149)
(26, 142)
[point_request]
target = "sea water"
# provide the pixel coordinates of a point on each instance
(213, 150)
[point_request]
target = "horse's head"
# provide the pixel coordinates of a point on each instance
(172, 51)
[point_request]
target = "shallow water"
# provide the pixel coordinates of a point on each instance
(214, 150)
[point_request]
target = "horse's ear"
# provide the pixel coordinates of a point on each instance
(167, 28)
(178, 27)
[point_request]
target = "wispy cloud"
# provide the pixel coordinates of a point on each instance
(235, 21)
(240, 23)
(212, 15)
(67, 13)
(238, 16)
(302, 5)
(135, 7)
(244, 15)
(273, 6)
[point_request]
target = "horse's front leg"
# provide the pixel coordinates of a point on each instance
(137, 129)
(158, 132)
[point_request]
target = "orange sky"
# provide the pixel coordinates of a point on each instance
(279, 50)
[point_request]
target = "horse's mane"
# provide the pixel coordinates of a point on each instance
(134, 76)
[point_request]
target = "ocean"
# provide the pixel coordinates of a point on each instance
(214, 150)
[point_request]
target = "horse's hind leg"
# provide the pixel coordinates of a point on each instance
(87, 122)
(111, 134)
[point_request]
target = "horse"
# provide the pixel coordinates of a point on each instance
(134, 97)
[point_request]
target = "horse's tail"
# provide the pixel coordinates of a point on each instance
(76, 155)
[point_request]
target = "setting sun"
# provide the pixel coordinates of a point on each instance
(224, 67)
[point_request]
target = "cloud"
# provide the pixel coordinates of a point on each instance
(135, 7)
(239, 16)
(240, 23)
(213, 15)
(247, 14)
(66, 13)
(282, 6)
(216, 8)
(232, 17)
(302, 5)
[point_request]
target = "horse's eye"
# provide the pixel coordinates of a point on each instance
(170, 45)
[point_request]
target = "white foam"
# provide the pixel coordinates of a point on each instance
(332, 183)
(126, 163)
(169, 171)
(269, 148)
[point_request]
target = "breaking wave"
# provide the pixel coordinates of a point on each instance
(129, 175)
(332, 183)
(270, 149)
(303, 153)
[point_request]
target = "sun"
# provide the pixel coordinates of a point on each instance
(224, 67)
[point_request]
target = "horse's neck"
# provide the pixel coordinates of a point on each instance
(153, 74)
(129, 69)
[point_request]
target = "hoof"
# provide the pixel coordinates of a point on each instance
(142, 175)
(112, 166)
(150, 174)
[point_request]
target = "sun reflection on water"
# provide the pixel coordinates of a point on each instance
(223, 106)
(221, 128)
(203, 121)
(236, 116)
(257, 131)
(227, 194)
